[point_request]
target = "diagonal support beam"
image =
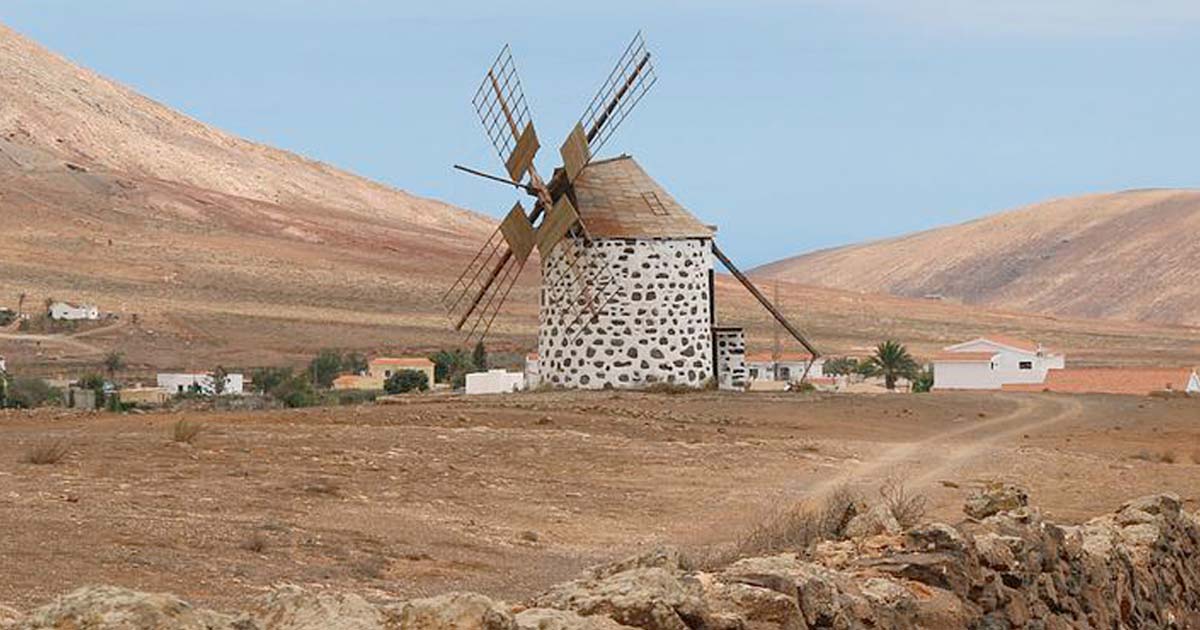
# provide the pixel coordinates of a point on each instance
(762, 299)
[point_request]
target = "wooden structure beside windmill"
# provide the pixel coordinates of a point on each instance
(627, 294)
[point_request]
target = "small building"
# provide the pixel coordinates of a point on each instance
(82, 399)
(382, 368)
(147, 396)
(1130, 381)
(66, 311)
(184, 382)
(990, 363)
(730, 351)
(788, 367)
(3, 365)
(533, 376)
(495, 382)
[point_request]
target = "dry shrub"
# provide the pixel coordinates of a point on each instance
(46, 453)
(322, 486)
(796, 528)
(1163, 457)
(256, 543)
(186, 431)
(908, 508)
(371, 567)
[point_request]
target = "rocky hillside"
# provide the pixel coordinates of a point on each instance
(1130, 255)
(1005, 568)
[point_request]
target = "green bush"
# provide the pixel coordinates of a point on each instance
(28, 393)
(296, 392)
(406, 381)
(267, 379)
(328, 364)
(923, 381)
(840, 366)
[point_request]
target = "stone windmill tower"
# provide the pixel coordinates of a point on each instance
(627, 294)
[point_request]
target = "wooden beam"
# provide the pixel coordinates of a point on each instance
(762, 299)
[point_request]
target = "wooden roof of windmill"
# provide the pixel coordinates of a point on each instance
(616, 198)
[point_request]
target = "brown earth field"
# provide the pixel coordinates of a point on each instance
(507, 495)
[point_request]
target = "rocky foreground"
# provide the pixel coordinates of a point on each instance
(1005, 567)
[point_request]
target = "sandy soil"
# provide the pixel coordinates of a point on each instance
(508, 495)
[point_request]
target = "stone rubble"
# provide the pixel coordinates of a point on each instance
(1138, 567)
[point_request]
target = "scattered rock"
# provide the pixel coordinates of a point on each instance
(1138, 567)
(652, 598)
(115, 608)
(552, 619)
(8, 616)
(994, 498)
(290, 607)
(872, 522)
(453, 611)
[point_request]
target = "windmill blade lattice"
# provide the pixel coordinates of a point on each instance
(500, 104)
(628, 82)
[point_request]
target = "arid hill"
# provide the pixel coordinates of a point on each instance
(215, 242)
(211, 249)
(1131, 255)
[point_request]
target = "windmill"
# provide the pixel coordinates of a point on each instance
(627, 281)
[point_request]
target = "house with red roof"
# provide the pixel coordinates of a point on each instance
(1133, 381)
(992, 362)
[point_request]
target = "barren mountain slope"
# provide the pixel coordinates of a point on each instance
(1131, 255)
(217, 244)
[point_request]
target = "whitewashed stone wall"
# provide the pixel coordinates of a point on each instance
(731, 358)
(656, 328)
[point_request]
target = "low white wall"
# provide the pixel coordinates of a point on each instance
(495, 382)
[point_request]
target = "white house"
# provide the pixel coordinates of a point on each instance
(71, 312)
(495, 382)
(788, 367)
(993, 362)
(183, 382)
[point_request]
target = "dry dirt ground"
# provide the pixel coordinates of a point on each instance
(508, 495)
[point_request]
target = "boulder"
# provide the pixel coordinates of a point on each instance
(872, 522)
(290, 607)
(553, 619)
(661, 557)
(116, 608)
(994, 498)
(651, 598)
(453, 611)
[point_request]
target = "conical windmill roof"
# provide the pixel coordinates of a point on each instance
(617, 199)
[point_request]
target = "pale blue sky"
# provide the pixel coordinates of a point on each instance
(792, 125)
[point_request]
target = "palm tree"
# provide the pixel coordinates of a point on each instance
(114, 362)
(21, 303)
(893, 362)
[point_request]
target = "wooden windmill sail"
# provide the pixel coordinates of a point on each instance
(480, 291)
